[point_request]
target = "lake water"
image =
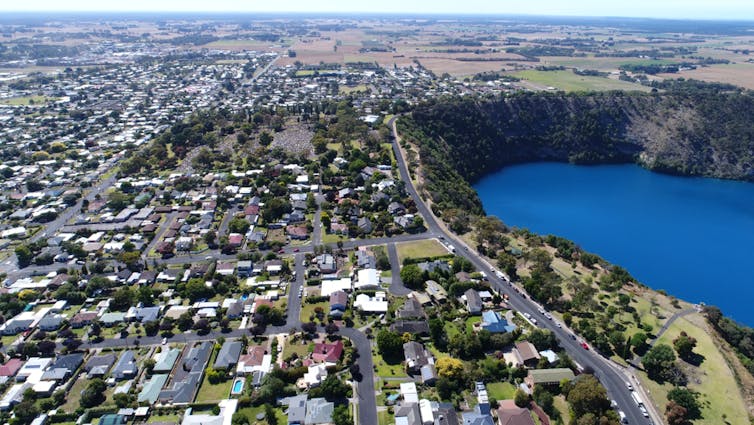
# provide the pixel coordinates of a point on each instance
(693, 237)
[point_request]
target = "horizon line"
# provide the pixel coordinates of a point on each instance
(369, 13)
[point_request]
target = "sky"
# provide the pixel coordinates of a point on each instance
(675, 9)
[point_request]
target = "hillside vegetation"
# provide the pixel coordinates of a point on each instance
(694, 130)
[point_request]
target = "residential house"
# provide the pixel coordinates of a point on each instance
(98, 366)
(473, 301)
(11, 367)
(416, 356)
(408, 414)
(165, 360)
(526, 353)
(256, 361)
(143, 314)
(510, 414)
(494, 323)
(413, 327)
(244, 268)
(327, 352)
(548, 377)
(373, 305)
(367, 279)
(315, 375)
(319, 411)
(411, 309)
(51, 322)
(227, 357)
(126, 367)
(296, 409)
(83, 318)
(436, 292)
(338, 303)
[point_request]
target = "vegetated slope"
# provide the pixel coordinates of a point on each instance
(690, 132)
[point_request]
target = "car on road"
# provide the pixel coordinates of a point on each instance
(164, 341)
(558, 325)
(548, 316)
(281, 251)
(585, 345)
(573, 336)
(295, 250)
(629, 386)
(644, 411)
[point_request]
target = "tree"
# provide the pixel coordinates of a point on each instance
(123, 400)
(151, 328)
(659, 362)
(638, 340)
(688, 399)
(94, 394)
(676, 414)
(123, 298)
(684, 345)
(390, 346)
(25, 411)
(24, 255)
(450, 368)
(265, 139)
(185, 321)
(196, 290)
(411, 275)
(342, 415)
(332, 388)
(521, 398)
(587, 395)
(238, 225)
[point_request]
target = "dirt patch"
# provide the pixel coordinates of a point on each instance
(295, 139)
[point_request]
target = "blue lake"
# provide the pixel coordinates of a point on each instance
(693, 237)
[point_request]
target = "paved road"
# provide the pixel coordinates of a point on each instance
(396, 284)
(670, 321)
(612, 379)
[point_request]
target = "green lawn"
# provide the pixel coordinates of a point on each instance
(302, 350)
(568, 81)
(420, 249)
(307, 310)
(251, 414)
(561, 405)
(209, 392)
(713, 378)
(470, 322)
(164, 418)
(501, 390)
(385, 418)
(388, 370)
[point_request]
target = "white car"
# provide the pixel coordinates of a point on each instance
(164, 341)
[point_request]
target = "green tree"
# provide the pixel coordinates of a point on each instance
(123, 298)
(587, 395)
(688, 399)
(94, 393)
(521, 398)
(123, 400)
(342, 415)
(659, 362)
(411, 275)
(239, 225)
(24, 255)
(390, 346)
(684, 345)
(265, 139)
(25, 411)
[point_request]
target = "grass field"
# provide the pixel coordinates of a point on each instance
(307, 310)
(568, 81)
(420, 249)
(27, 100)
(721, 402)
(501, 390)
(164, 418)
(251, 415)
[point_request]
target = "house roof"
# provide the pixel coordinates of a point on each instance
(165, 360)
(125, 366)
(297, 409)
(550, 376)
(71, 362)
(11, 367)
(151, 390)
(510, 414)
(527, 351)
(228, 355)
(319, 411)
(325, 352)
(411, 309)
(411, 326)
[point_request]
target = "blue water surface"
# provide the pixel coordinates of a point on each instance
(693, 237)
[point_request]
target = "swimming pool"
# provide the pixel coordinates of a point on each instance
(237, 386)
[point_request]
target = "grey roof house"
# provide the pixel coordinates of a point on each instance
(227, 358)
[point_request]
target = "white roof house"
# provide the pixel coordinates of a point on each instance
(367, 304)
(368, 279)
(332, 286)
(409, 393)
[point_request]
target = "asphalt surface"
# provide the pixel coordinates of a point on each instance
(396, 284)
(613, 380)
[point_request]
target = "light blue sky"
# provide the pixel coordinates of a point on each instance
(680, 9)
